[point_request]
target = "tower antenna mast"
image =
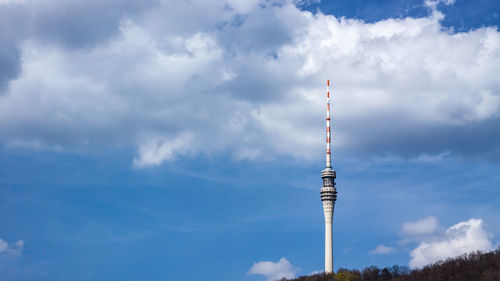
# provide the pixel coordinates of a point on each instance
(328, 132)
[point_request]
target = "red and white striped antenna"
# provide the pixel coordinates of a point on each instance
(328, 133)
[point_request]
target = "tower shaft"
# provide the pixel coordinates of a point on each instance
(328, 246)
(328, 191)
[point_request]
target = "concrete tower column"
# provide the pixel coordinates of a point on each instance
(328, 196)
(328, 239)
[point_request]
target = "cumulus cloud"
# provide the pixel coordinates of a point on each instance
(433, 3)
(382, 250)
(15, 249)
(274, 270)
(316, 272)
(244, 77)
(7, 2)
(426, 226)
(156, 150)
(244, 6)
(463, 237)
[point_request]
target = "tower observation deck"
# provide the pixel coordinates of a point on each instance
(328, 191)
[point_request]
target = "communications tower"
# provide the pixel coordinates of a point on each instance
(328, 191)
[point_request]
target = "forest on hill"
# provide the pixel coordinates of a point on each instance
(475, 266)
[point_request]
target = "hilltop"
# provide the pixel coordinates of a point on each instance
(475, 266)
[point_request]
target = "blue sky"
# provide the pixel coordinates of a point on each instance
(174, 140)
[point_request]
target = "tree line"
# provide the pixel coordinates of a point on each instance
(476, 266)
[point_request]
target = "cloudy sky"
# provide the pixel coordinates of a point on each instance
(173, 140)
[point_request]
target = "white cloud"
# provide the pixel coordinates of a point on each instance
(3, 246)
(426, 158)
(433, 3)
(156, 150)
(7, 2)
(14, 250)
(274, 270)
(254, 86)
(382, 250)
(243, 6)
(458, 239)
(316, 272)
(426, 226)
